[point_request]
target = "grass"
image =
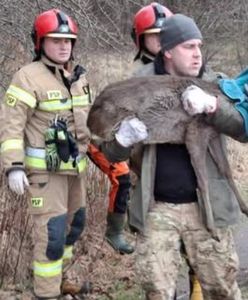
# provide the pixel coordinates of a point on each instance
(122, 291)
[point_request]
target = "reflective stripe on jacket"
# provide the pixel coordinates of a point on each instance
(35, 159)
(56, 105)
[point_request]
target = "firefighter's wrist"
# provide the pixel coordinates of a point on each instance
(14, 166)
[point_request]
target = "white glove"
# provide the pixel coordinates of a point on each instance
(17, 181)
(196, 101)
(131, 131)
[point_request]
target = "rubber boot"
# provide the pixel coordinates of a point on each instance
(195, 288)
(114, 233)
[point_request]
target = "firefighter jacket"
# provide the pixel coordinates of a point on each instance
(37, 94)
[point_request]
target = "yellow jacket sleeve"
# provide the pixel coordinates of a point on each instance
(17, 106)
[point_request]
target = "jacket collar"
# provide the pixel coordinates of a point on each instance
(57, 68)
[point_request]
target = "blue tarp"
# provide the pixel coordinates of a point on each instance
(237, 90)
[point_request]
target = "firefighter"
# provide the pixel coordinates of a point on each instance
(147, 25)
(147, 20)
(44, 139)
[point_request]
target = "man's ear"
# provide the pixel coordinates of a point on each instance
(167, 54)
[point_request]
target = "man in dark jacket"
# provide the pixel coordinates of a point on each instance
(167, 207)
(147, 24)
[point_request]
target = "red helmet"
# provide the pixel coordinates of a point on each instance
(149, 19)
(53, 23)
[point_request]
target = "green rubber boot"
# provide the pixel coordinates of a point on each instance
(114, 233)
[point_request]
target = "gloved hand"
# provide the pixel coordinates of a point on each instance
(196, 101)
(52, 156)
(17, 181)
(131, 131)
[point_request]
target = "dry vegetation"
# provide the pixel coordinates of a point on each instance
(106, 49)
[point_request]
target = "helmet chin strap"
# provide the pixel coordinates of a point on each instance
(146, 56)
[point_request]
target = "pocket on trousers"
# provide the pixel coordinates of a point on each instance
(38, 186)
(211, 247)
(225, 243)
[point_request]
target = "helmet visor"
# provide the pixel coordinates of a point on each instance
(152, 30)
(61, 35)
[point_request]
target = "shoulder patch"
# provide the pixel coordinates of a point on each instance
(10, 100)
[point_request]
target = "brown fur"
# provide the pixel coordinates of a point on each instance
(156, 101)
